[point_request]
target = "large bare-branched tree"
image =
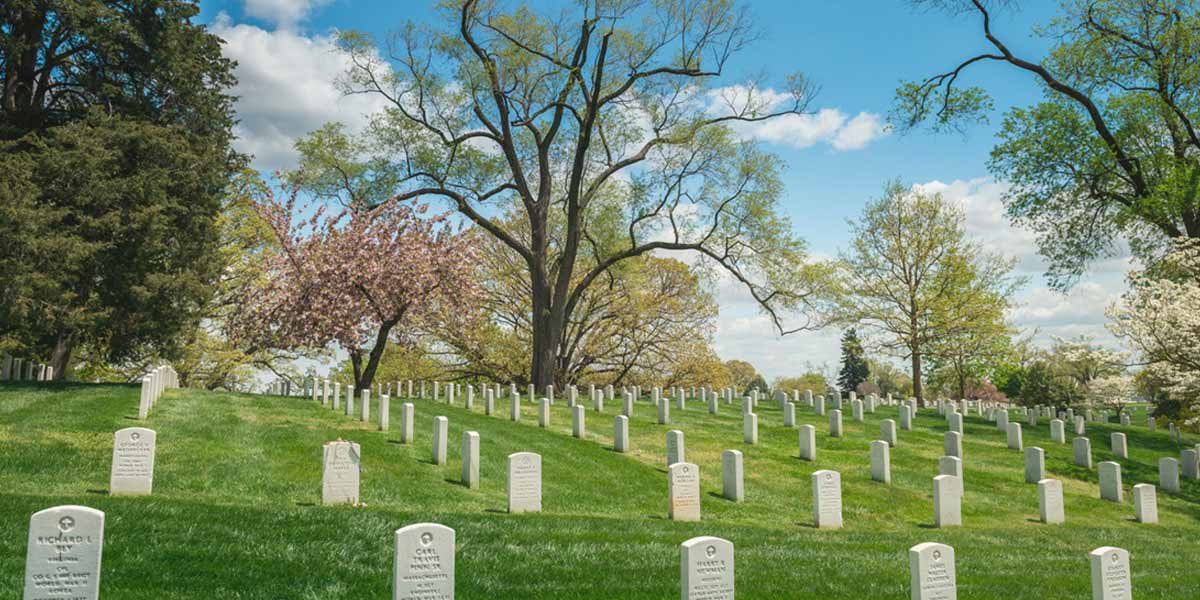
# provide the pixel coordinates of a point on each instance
(502, 108)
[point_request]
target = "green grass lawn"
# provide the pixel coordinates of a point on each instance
(235, 511)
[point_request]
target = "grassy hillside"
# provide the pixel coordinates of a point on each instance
(235, 509)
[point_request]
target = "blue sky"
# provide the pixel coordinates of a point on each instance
(856, 51)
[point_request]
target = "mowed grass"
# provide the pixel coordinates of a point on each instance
(235, 511)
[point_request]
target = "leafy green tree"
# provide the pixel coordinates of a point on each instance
(115, 127)
(492, 109)
(1113, 151)
(855, 369)
(744, 376)
(811, 381)
(912, 276)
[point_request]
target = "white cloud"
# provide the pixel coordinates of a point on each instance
(286, 89)
(827, 125)
(282, 13)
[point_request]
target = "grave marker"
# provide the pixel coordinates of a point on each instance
(1035, 464)
(340, 471)
(683, 490)
(808, 442)
(881, 461)
(62, 555)
(1145, 503)
(1110, 481)
(1111, 578)
(827, 499)
(424, 563)
(621, 433)
(524, 482)
(132, 472)
(732, 486)
(947, 501)
(706, 569)
(470, 459)
(931, 572)
(441, 431)
(1050, 501)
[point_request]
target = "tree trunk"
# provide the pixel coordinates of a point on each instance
(364, 375)
(916, 375)
(60, 357)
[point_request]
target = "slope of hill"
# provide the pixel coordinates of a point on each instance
(235, 512)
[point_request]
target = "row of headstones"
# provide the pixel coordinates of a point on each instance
(154, 383)
(16, 369)
(65, 545)
(1110, 472)
(947, 492)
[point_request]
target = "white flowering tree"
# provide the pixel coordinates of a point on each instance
(1160, 317)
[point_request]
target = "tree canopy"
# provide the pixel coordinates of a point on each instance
(1112, 153)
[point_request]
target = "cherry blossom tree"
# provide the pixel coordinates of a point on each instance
(356, 278)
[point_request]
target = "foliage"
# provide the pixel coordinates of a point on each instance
(811, 381)
(913, 279)
(109, 239)
(1160, 317)
(890, 379)
(115, 124)
(744, 376)
(647, 321)
(494, 109)
(1113, 151)
(854, 363)
(355, 278)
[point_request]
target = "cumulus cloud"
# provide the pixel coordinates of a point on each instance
(286, 89)
(828, 125)
(282, 13)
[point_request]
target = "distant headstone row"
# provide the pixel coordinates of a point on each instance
(16, 369)
(154, 383)
(65, 544)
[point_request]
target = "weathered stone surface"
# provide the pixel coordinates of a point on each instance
(407, 414)
(1035, 464)
(750, 429)
(1111, 577)
(881, 461)
(1119, 447)
(931, 572)
(789, 415)
(808, 442)
(827, 499)
(366, 406)
(470, 459)
(951, 465)
(1110, 482)
(621, 433)
(1189, 461)
(341, 466)
(132, 472)
(956, 422)
(1015, 440)
(62, 555)
(1057, 432)
(1050, 501)
(683, 491)
(544, 412)
(887, 432)
(664, 412)
(524, 482)
(441, 431)
(385, 416)
(947, 501)
(706, 569)
(732, 486)
(578, 422)
(676, 451)
(1083, 452)
(424, 563)
(1168, 474)
(905, 417)
(952, 444)
(835, 423)
(1145, 503)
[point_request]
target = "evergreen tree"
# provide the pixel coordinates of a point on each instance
(854, 362)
